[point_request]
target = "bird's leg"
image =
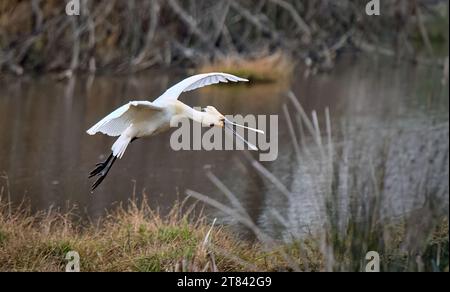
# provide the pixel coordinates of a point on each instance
(102, 174)
(103, 168)
(100, 166)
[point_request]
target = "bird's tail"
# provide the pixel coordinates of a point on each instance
(121, 144)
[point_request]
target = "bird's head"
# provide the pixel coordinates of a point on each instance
(212, 117)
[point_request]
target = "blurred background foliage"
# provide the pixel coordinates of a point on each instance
(124, 36)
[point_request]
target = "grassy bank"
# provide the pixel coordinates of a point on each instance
(132, 238)
(135, 238)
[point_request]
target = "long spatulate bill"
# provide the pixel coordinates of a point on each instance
(245, 127)
(250, 145)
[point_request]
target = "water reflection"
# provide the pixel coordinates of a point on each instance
(47, 155)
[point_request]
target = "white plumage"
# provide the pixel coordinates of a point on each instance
(144, 118)
(119, 120)
(197, 81)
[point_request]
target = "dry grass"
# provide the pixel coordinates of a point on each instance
(132, 238)
(275, 67)
(136, 238)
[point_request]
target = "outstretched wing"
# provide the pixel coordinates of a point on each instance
(197, 81)
(119, 120)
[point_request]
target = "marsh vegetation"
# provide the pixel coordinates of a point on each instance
(135, 237)
(363, 161)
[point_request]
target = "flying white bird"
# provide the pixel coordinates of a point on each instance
(138, 119)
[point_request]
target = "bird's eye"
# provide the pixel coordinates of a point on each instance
(211, 125)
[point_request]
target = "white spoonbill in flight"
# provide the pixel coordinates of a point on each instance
(138, 119)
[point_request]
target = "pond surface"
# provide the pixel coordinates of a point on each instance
(46, 155)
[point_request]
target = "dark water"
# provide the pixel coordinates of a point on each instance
(45, 154)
